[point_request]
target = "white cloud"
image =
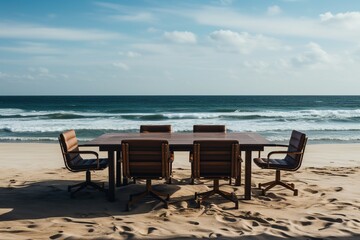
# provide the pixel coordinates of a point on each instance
(348, 20)
(136, 17)
(32, 48)
(280, 26)
(152, 30)
(314, 55)
(121, 65)
(243, 42)
(3, 75)
(274, 10)
(40, 70)
(180, 37)
(28, 31)
(130, 54)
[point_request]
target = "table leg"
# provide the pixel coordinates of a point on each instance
(118, 168)
(247, 175)
(111, 159)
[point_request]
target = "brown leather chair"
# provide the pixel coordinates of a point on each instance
(146, 159)
(159, 129)
(216, 160)
(75, 163)
(155, 128)
(209, 128)
(291, 162)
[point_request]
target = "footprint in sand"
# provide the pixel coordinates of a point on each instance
(255, 224)
(330, 200)
(151, 230)
(56, 236)
(33, 226)
(338, 189)
(194, 223)
(229, 219)
(305, 223)
(225, 229)
(279, 227)
(312, 191)
(91, 230)
(126, 228)
(326, 226)
(333, 220)
(215, 235)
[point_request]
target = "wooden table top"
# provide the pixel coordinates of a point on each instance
(180, 141)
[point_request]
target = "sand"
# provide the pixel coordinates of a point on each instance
(35, 204)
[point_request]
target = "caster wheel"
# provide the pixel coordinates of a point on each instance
(259, 186)
(233, 195)
(295, 192)
(196, 195)
(262, 192)
(166, 205)
(237, 205)
(198, 203)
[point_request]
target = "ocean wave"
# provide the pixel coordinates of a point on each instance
(298, 115)
(278, 138)
(63, 116)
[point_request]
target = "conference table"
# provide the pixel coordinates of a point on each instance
(111, 143)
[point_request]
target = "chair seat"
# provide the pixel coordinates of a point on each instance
(275, 163)
(84, 164)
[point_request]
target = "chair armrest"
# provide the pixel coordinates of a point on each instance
(282, 152)
(279, 152)
(272, 145)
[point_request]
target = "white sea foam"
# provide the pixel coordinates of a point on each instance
(325, 125)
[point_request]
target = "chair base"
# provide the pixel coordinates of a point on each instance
(270, 185)
(199, 197)
(149, 191)
(85, 184)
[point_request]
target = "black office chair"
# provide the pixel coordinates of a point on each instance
(75, 163)
(291, 162)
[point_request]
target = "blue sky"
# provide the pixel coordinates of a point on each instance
(234, 47)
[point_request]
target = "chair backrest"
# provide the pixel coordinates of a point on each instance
(297, 143)
(148, 159)
(68, 143)
(215, 158)
(155, 128)
(209, 128)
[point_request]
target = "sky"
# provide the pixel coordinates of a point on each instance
(168, 47)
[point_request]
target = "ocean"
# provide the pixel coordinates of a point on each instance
(325, 119)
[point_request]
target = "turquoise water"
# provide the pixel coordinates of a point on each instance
(325, 119)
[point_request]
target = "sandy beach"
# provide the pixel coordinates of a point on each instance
(35, 204)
